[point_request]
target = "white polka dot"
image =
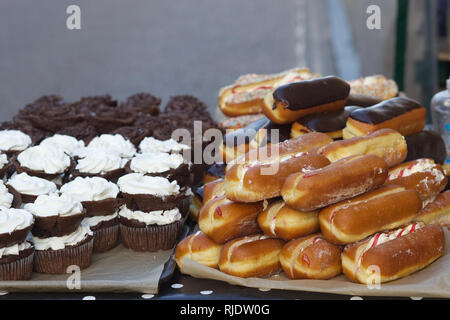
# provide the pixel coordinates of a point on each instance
(356, 298)
(264, 289)
(147, 296)
(206, 292)
(3, 293)
(177, 286)
(416, 298)
(89, 298)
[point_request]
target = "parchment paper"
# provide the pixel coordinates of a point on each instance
(433, 281)
(118, 270)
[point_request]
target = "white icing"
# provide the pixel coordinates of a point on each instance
(93, 221)
(25, 184)
(14, 140)
(6, 198)
(155, 162)
(54, 205)
(14, 219)
(51, 160)
(421, 165)
(137, 183)
(113, 143)
(58, 243)
(15, 249)
(159, 217)
(67, 143)
(151, 144)
(90, 189)
(3, 160)
(100, 162)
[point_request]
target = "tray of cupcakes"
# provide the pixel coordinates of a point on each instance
(350, 197)
(95, 185)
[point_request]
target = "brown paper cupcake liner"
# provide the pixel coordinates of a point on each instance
(56, 226)
(57, 261)
(106, 238)
(151, 238)
(104, 207)
(18, 269)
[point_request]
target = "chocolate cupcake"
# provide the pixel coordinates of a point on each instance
(112, 144)
(109, 166)
(54, 255)
(143, 103)
(99, 197)
(55, 215)
(64, 142)
(158, 164)
(29, 187)
(13, 141)
(16, 254)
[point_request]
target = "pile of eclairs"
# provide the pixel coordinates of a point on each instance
(359, 187)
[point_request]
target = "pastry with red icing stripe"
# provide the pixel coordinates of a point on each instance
(311, 257)
(392, 255)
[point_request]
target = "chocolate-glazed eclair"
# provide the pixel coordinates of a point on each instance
(405, 115)
(330, 123)
(292, 101)
(426, 144)
(361, 100)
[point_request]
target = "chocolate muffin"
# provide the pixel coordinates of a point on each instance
(142, 103)
(29, 187)
(98, 164)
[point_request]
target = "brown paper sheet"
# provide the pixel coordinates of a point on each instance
(118, 270)
(433, 281)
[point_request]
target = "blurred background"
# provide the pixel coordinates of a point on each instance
(197, 46)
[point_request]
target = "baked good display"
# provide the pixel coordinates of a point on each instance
(341, 180)
(437, 211)
(332, 123)
(385, 143)
(377, 86)
(252, 256)
(426, 144)
(405, 115)
(412, 247)
(260, 174)
(246, 94)
(311, 257)
(16, 253)
(99, 198)
(29, 187)
(280, 221)
(385, 208)
(223, 220)
(295, 100)
(423, 175)
(199, 248)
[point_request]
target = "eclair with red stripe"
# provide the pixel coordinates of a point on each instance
(281, 221)
(260, 174)
(199, 248)
(438, 211)
(341, 180)
(382, 209)
(385, 143)
(392, 255)
(423, 175)
(311, 257)
(222, 219)
(253, 256)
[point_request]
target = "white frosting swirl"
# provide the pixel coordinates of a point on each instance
(6, 198)
(159, 217)
(15, 249)
(113, 144)
(137, 183)
(14, 140)
(54, 205)
(151, 144)
(100, 163)
(90, 189)
(67, 143)
(58, 243)
(93, 221)
(14, 219)
(3, 160)
(51, 160)
(155, 162)
(34, 186)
